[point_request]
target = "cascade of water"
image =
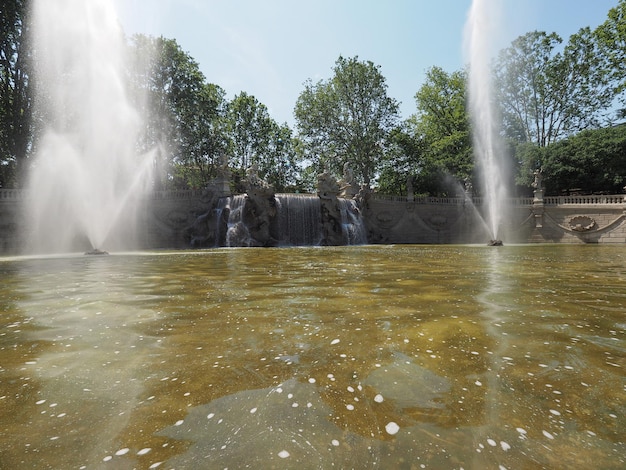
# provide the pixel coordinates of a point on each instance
(87, 175)
(237, 233)
(352, 225)
(479, 41)
(299, 220)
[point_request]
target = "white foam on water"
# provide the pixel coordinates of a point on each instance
(392, 428)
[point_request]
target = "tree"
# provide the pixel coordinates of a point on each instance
(547, 95)
(15, 95)
(279, 163)
(611, 42)
(347, 119)
(441, 128)
(186, 115)
(591, 161)
(249, 128)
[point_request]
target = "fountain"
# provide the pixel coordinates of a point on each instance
(262, 218)
(479, 33)
(87, 174)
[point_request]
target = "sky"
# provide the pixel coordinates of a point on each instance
(270, 48)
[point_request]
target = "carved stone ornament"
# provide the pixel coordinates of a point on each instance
(582, 223)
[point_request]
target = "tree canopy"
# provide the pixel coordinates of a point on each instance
(15, 95)
(551, 93)
(347, 119)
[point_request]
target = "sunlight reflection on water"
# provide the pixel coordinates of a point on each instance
(393, 356)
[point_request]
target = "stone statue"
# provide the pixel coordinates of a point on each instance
(252, 174)
(222, 170)
(537, 184)
(347, 184)
(327, 186)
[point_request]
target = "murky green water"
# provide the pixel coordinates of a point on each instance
(355, 357)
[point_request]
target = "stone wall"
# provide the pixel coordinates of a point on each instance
(167, 219)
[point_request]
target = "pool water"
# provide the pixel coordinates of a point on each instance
(348, 357)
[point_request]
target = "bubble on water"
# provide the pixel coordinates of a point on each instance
(253, 410)
(311, 380)
(505, 445)
(555, 412)
(491, 442)
(294, 405)
(210, 415)
(547, 434)
(335, 442)
(107, 458)
(350, 389)
(40, 402)
(179, 422)
(479, 383)
(122, 451)
(283, 454)
(350, 407)
(155, 465)
(144, 451)
(60, 415)
(379, 398)
(591, 433)
(335, 341)
(392, 428)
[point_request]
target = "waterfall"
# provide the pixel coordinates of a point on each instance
(299, 219)
(231, 231)
(352, 225)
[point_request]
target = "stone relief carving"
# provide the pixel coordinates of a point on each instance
(582, 223)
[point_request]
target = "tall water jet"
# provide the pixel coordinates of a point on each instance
(87, 173)
(480, 38)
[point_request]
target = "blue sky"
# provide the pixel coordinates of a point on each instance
(269, 48)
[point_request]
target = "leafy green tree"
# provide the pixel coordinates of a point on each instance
(592, 161)
(547, 94)
(15, 92)
(403, 163)
(249, 127)
(280, 163)
(441, 128)
(186, 115)
(347, 119)
(611, 41)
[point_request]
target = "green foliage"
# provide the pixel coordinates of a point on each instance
(546, 94)
(611, 42)
(347, 119)
(15, 94)
(186, 115)
(592, 161)
(441, 133)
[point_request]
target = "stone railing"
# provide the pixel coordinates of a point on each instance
(457, 201)
(176, 194)
(180, 194)
(12, 194)
(589, 200)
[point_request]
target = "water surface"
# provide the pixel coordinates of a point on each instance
(352, 357)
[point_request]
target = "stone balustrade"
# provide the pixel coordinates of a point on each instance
(20, 194)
